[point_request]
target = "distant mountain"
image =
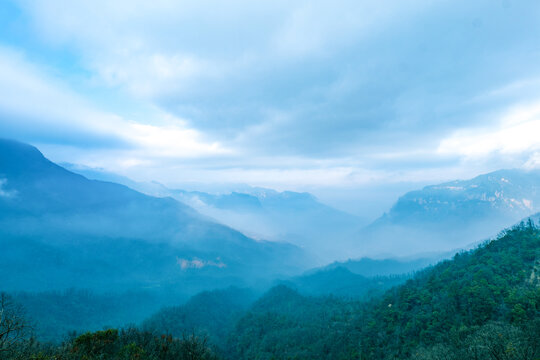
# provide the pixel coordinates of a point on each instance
(59, 229)
(340, 281)
(152, 188)
(293, 217)
(454, 214)
(387, 267)
(298, 218)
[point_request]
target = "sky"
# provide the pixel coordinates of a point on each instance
(353, 100)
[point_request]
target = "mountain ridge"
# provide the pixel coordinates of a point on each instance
(65, 221)
(288, 216)
(453, 214)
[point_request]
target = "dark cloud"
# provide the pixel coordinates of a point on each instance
(412, 81)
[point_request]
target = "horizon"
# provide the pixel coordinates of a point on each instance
(385, 203)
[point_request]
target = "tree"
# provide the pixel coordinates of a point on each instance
(13, 325)
(502, 341)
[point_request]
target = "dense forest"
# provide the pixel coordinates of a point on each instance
(481, 304)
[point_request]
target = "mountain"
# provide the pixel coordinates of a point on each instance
(152, 188)
(457, 301)
(481, 304)
(386, 267)
(453, 214)
(59, 229)
(288, 216)
(298, 218)
(212, 313)
(340, 281)
(284, 324)
(54, 314)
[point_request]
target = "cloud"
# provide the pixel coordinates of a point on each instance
(309, 78)
(34, 105)
(277, 92)
(37, 107)
(227, 68)
(514, 133)
(533, 162)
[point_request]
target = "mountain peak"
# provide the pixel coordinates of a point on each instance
(18, 159)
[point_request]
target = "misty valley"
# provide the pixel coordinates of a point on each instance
(97, 266)
(269, 180)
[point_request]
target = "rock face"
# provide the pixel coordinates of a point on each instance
(454, 214)
(59, 229)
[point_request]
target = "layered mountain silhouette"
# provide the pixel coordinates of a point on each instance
(288, 216)
(59, 229)
(294, 217)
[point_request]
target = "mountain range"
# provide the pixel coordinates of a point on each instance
(59, 229)
(430, 223)
(481, 304)
(288, 216)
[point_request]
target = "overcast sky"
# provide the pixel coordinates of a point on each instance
(303, 95)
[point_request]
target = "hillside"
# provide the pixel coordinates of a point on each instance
(386, 267)
(481, 304)
(449, 311)
(60, 230)
(341, 282)
(212, 313)
(496, 282)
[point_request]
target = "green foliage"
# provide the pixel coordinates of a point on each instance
(112, 344)
(340, 281)
(496, 340)
(454, 298)
(55, 314)
(95, 345)
(442, 309)
(481, 305)
(212, 313)
(285, 324)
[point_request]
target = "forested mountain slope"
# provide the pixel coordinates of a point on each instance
(481, 305)
(453, 308)
(341, 282)
(499, 281)
(210, 313)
